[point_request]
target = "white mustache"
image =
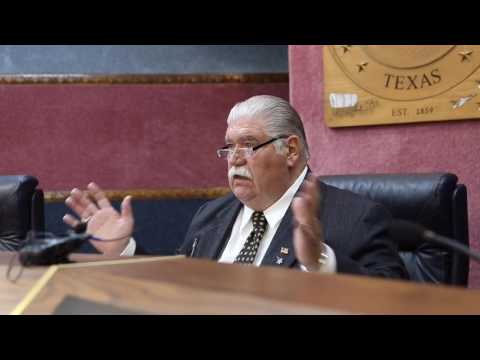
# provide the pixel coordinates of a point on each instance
(240, 171)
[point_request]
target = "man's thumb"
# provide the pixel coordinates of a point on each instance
(126, 207)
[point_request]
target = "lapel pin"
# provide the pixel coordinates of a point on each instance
(284, 250)
(279, 260)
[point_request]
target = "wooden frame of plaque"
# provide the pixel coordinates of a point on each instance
(393, 84)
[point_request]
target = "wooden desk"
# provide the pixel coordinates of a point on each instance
(12, 293)
(187, 286)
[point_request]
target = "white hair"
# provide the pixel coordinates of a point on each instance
(277, 115)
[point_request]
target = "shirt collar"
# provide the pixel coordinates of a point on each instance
(277, 210)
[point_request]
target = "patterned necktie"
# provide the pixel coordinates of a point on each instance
(249, 251)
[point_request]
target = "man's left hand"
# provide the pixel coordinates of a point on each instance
(307, 234)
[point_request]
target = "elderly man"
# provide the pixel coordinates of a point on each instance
(277, 214)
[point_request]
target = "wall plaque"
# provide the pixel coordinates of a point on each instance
(392, 84)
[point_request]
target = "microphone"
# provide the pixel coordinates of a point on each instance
(49, 251)
(54, 250)
(401, 230)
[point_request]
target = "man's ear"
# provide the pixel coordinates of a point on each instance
(292, 150)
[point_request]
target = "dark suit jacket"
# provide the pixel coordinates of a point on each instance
(354, 227)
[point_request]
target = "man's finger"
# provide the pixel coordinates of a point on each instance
(90, 207)
(301, 211)
(311, 188)
(77, 207)
(70, 220)
(99, 196)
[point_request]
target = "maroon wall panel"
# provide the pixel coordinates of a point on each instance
(121, 136)
(449, 146)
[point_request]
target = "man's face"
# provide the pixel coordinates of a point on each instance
(264, 176)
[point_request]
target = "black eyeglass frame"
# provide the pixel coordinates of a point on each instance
(256, 147)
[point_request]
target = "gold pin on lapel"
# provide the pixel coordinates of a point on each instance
(284, 250)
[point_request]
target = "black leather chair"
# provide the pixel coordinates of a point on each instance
(21, 210)
(434, 200)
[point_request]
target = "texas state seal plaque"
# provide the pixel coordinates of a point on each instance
(392, 84)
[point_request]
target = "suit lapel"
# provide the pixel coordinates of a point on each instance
(283, 239)
(213, 239)
(281, 251)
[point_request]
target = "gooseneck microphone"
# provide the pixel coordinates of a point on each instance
(401, 230)
(49, 251)
(52, 250)
(56, 249)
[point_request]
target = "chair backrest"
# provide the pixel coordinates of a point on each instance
(21, 210)
(433, 200)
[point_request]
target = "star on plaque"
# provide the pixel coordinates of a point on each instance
(279, 260)
(465, 55)
(361, 67)
(462, 101)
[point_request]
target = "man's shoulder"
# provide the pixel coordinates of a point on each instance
(213, 207)
(221, 201)
(336, 195)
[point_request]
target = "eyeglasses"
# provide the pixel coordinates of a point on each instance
(227, 152)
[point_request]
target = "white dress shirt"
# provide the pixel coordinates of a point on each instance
(243, 226)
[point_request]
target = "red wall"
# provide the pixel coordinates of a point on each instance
(449, 146)
(121, 136)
